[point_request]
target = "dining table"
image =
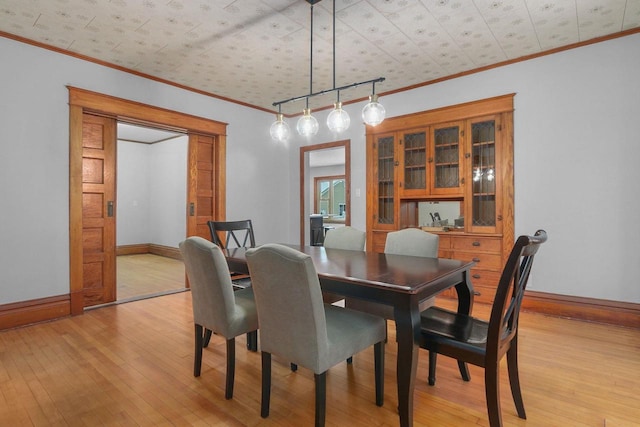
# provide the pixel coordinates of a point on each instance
(399, 281)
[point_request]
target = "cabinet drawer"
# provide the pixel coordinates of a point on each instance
(484, 294)
(484, 277)
(483, 261)
(481, 244)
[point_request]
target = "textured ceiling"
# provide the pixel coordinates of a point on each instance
(257, 52)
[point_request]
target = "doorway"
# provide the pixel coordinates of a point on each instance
(92, 120)
(318, 160)
(151, 167)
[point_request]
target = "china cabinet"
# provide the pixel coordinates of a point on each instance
(450, 172)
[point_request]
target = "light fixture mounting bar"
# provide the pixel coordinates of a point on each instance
(325, 91)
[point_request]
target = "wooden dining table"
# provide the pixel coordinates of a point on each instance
(396, 280)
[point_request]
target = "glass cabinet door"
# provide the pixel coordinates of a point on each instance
(445, 159)
(385, 176)
(413, 148)
(484, 193)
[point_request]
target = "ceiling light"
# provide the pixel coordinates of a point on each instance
(307, 124)
(280, 129)
(338, 120)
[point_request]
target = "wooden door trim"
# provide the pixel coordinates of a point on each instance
(347, 172)
(83, 101)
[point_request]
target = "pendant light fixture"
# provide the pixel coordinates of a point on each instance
(373, 113)
(338, 120)
(280, 130)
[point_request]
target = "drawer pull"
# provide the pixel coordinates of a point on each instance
(476, 243)
(476, 293)
(476, 260)
(476, 276)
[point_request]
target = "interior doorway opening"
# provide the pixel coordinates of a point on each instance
(151, 189)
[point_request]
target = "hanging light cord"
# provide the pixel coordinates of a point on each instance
(311, 93)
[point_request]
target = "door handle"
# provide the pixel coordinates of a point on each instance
(110, 208)
(192, 209)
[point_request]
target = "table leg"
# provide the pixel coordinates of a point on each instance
(464, 290)
(407, 333)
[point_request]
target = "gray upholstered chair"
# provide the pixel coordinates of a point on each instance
(409, 241)
(296, 326)
(412, 241)
(348, 238)
(216, 307)
(345, 237)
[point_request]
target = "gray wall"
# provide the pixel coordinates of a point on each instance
(576, 155)
(152, 192)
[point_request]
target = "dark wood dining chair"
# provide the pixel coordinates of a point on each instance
(296, 325)
(234, 234)
(216, 306)
(482, 343)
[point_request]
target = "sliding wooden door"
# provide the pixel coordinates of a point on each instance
(98, 209)
(92, 190)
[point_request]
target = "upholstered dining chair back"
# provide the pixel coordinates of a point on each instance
(412, 241)
(290, 306)
(216, 307)
(211, 289)
(346, 237)
(296, 325)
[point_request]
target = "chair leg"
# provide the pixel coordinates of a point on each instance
(207, 338)
(231, 367)
(514, 378)
(197, 360)
(266, 384)
(350, 360)
(378, 351)
(433, 359)
(464, 371)
(321, 398)
(492, 393)
(252, 341)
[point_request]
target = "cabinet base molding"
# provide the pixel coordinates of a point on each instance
(149, 248)
(23, 313)
(581, 308)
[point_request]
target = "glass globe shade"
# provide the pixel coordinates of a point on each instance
(279, 129)
(338, 119)
(373, 113)
(307, 124)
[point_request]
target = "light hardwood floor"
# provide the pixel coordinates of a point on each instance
(141, 275)
(132, 364)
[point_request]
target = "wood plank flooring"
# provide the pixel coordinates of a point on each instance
(140, 275)
(132, 365)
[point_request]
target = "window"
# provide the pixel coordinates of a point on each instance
(330, 197)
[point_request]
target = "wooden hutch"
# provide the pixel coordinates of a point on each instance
(458, 158)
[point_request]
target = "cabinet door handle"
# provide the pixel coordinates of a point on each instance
(476, 243)
(476, 260)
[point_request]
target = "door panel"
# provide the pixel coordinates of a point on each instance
(202, 175)
(98, 210)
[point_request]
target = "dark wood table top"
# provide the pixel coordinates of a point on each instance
(404, 274)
